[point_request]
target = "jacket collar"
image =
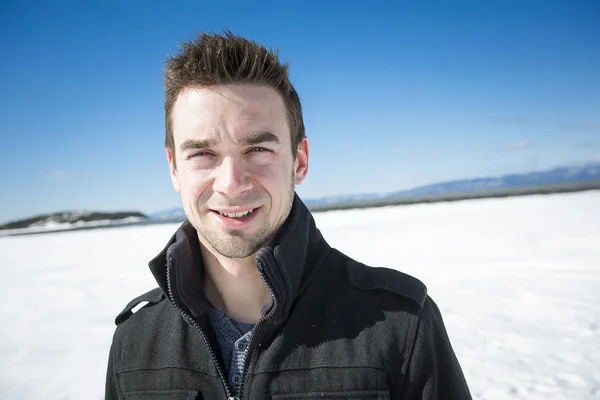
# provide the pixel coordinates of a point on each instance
(287, 263)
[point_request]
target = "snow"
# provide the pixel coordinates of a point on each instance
(517, 280)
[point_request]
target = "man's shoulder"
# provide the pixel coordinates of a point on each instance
(372, 278)
(142, 302)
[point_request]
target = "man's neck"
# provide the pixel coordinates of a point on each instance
(234, 285)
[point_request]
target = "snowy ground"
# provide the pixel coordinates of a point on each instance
(518, 282)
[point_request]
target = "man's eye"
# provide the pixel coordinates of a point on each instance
(259, 150)
(199, 154)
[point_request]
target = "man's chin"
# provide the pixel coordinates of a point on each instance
(234, 246)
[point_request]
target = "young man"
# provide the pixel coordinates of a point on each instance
(252, 302)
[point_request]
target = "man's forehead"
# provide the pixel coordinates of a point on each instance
(241, 110)
(253, 98)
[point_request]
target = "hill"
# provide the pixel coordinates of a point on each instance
(71, 219)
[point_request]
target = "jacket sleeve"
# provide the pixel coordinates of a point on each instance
(112, 391)
(433, 371)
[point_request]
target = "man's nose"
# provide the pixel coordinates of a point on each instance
(231, 178)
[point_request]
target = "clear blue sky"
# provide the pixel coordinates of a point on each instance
(395, 94)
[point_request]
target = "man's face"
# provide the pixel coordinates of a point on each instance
(234, 166)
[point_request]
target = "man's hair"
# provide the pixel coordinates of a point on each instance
(212, 59)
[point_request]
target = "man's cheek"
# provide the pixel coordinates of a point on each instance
(192, 184)
(269, 175)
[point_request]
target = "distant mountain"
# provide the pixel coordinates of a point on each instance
(171, 213)
(583, 173)
(588, 172)
(71, 219)
(342, 199)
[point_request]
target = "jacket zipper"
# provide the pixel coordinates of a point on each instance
(204, 338)
(256, 333)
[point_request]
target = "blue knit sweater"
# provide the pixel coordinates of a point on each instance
(233, 337)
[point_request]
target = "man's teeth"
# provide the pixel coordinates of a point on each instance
(236, 215)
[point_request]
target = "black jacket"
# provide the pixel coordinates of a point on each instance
(336, 329)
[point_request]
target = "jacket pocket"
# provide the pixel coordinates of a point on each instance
(346, 395)
(163, 395)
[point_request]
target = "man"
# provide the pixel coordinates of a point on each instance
(252, 302)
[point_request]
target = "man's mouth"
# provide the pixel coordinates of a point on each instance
(236, 214)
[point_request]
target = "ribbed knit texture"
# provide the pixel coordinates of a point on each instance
(233, 337)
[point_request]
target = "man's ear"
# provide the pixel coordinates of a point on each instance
(173, 170)
(301, 165)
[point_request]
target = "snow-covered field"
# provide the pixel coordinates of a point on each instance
(517, 280)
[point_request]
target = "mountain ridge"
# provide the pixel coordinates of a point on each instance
(559, 175)
(564, 174)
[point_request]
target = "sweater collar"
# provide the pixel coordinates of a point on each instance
(287, 263)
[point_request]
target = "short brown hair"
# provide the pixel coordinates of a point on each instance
(214, 59)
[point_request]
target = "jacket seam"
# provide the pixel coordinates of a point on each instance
(160, 369)
(115, 374)
(270, 371)
(412, 350)
(419, 301)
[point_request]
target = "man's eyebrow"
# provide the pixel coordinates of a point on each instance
(260, 137)
(256, 138)
(193, 144)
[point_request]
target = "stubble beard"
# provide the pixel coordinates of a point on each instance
(236, 244)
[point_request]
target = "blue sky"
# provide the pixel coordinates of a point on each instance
(395, 94)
